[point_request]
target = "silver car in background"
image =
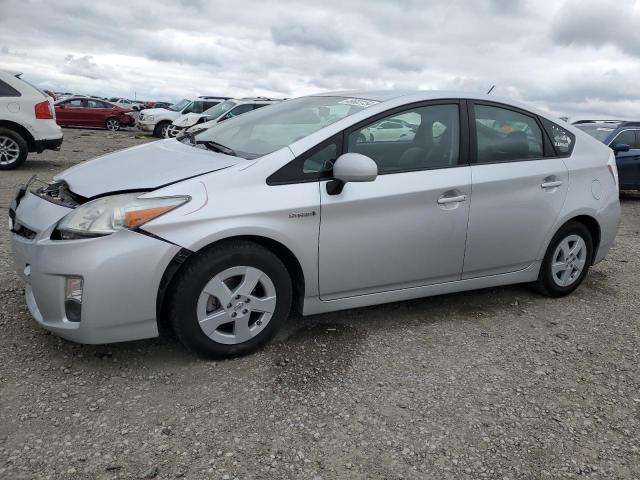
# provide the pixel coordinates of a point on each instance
(297, 206)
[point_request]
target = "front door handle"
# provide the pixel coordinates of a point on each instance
(456, 199)
(554, 184)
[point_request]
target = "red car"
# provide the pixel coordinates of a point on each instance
(92, 112)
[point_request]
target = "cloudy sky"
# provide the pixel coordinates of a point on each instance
(579, 58)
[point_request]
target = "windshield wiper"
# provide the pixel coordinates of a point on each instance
(217, 147)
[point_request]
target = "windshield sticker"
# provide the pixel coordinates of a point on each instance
(358, 102)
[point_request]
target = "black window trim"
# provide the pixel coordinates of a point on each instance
(294, 167)
(548, 150)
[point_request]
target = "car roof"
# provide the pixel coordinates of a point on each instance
(422, 95)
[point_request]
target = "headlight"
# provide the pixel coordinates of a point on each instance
(148, 118)
(109, 214)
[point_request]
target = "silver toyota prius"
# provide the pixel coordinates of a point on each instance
(317, 204)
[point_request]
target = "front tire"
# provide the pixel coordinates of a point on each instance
(161, 130)
(113, 124)
(229, 300)
(13, 149)
(566, 262)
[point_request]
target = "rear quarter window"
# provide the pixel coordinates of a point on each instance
(563, 141)
(7, 90)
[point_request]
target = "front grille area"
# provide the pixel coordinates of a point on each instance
(59, 193)
(23, 231)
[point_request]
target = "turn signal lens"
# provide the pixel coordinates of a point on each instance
(135, 218)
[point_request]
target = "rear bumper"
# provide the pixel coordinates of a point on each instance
(50, 144)
(121, 276)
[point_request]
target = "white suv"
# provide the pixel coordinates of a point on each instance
(218, 113)
(27, 121)
(157, 120)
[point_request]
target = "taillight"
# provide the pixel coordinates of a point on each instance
(613, 168)
(44, 111)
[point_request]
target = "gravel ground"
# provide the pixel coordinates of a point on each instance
(497, 384)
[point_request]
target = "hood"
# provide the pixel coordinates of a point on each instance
(156, 111)
(187, 120)
(144, 167)
(200, 126)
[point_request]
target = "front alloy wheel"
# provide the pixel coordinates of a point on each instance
(229, 299)
(236, 305)
(172, 131)
(113, 124)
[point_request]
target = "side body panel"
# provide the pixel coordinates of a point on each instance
(511, 214)
(391, 233)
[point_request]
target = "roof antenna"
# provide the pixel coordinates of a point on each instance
(491, 89)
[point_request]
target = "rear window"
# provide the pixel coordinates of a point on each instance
(7, 90)
(563, 141)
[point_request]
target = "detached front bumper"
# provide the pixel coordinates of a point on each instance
(121, 276)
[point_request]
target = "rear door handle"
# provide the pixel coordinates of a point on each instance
(553, 184)
(457, 199)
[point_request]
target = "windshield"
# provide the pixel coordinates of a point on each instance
(599, 133)
(219, 109)
(266, 130)
(178, 107)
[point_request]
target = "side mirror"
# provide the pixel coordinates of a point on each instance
(351, 167)
(60, 105)
(621, 147)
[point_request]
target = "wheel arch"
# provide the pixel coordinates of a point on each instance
(591, 224)
(286, 256)
(26, 134)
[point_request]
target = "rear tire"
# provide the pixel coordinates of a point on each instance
(566, 262)
(161, 129)
(13, 149)
(229, 300)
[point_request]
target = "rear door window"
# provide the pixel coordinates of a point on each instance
(504, 135)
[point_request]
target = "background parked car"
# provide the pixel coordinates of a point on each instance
(624, 138)
(157, 120)
(27, 121)
(125, 103)
(91, 112)
(217, 113)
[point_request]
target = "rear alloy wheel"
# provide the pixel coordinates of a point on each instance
(229, 300)
(567, 260)
(113, 124)
(13, 149)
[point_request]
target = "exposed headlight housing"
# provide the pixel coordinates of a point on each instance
(107, 215)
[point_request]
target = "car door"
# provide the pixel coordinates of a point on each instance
(74, 111)
(408, 227)
(519, 187)
(628, 162)
(96, 114)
